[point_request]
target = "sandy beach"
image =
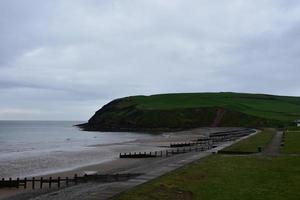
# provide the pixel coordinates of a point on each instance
(115, 165)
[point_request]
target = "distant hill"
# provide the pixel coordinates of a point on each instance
(167, 112)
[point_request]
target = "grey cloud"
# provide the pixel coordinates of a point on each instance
(269, 62)
(68, 58)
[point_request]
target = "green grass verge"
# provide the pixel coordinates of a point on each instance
(251, 144)
(291, 142)
(293, 128)
(223, 177)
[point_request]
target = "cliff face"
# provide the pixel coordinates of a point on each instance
(137, 114)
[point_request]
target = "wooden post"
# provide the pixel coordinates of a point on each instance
(50, 182)
(41, 183)
(259, 149)
(25, 183)
(33, 182)
(2, 181)
(18, 182)
(58, 182)
(75, 179)
(67, 181)
(85, 178)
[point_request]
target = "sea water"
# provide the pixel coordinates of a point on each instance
(37, 147)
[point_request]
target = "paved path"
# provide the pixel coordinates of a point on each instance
(272, 149)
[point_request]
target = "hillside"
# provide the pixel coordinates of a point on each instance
(189, 110)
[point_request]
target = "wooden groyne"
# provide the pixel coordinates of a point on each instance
(186, 150)
(200, 144)
(42, 182)
(205, 142)
(223, 136)
(232, 131)
(142, 154)
(229, 136)
(165, 153)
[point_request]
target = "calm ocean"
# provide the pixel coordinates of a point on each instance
(37, 147)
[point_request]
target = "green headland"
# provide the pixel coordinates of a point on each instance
(169, 112)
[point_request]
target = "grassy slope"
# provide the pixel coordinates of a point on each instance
(292, 143)
(197, 109)
(251, 144)
(226, 177)
(265, 106)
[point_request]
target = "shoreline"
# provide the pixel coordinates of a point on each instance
(91, 128)
(156, 143)
(116, 165)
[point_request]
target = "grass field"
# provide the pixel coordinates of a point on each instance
(223, 177)
(293, 128)
(260, 105)
(251, 144)
(291, 142)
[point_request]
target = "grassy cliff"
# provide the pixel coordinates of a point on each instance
(189, 110)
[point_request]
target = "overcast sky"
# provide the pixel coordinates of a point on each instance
(64, 59)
